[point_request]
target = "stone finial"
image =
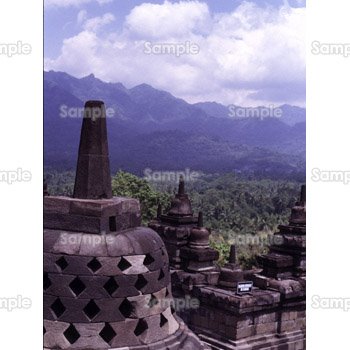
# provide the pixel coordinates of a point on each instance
(199, 237)
(159, 211)
(200, 220)
(232, 257)
(181, 204)
(231, 273)
(93, 178)
(181, 186)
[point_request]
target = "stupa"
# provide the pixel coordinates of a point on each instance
(106, 280)
(270, 315)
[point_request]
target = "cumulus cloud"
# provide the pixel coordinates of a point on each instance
(75, 3)
(251, 56)
(169, 19)
(95, 23)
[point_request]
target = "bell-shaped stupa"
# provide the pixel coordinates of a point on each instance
(106, 280)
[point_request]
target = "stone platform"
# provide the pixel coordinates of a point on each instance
(91, 216)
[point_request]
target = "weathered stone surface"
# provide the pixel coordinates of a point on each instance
(93, 245)
(122, 336)
(125, 334)
(53, 337)
(136, 265)
(93, 178)
(288, 288)
(50, 239)
(57, 205)
(68, 243)
(78, 223)
(109, 266)
(199, 255)
(155, 281)
(266, 317)
(148, 305)
(266, 328)
(92, 216)
(89, 336)
(276, 260)
(155, 260)
(136, 241)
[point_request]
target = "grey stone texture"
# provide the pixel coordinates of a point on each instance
(107, 281)
(109, 284)
(272, 316)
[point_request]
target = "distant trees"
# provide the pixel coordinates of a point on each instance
(128, 185)
(233, 206)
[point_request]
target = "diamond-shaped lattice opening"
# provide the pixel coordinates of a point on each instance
(62, 263)
(108, 333)
(167, 293)
(94, 265)
(161, 275)
(126, 308)
(141, 282)
(91, 310)
(77, 286)
(71, 334)
(124, 264)
(111, 286)
(141, 327)
(47, 281)
(148, 260)
(44, 330)
(172, 309)
(153, 301)
(163, 320)
(58, 308)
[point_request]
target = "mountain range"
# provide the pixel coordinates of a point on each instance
(153, 129)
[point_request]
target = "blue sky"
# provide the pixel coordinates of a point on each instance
(250, 52)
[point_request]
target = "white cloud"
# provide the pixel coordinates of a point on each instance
(169, 19)
(251, 56)
(75, 3)
(82, 17)
(94, 24)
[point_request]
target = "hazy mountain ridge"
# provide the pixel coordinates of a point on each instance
(152, 128)
(290, 115)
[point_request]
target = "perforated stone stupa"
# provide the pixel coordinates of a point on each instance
(106, 280)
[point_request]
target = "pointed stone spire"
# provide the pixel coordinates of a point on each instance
(181, 186)
(159, 211)
(231, 273)
(199, 237)
(93, 178)
(232, 258)
(181, 204)
(200, 220)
